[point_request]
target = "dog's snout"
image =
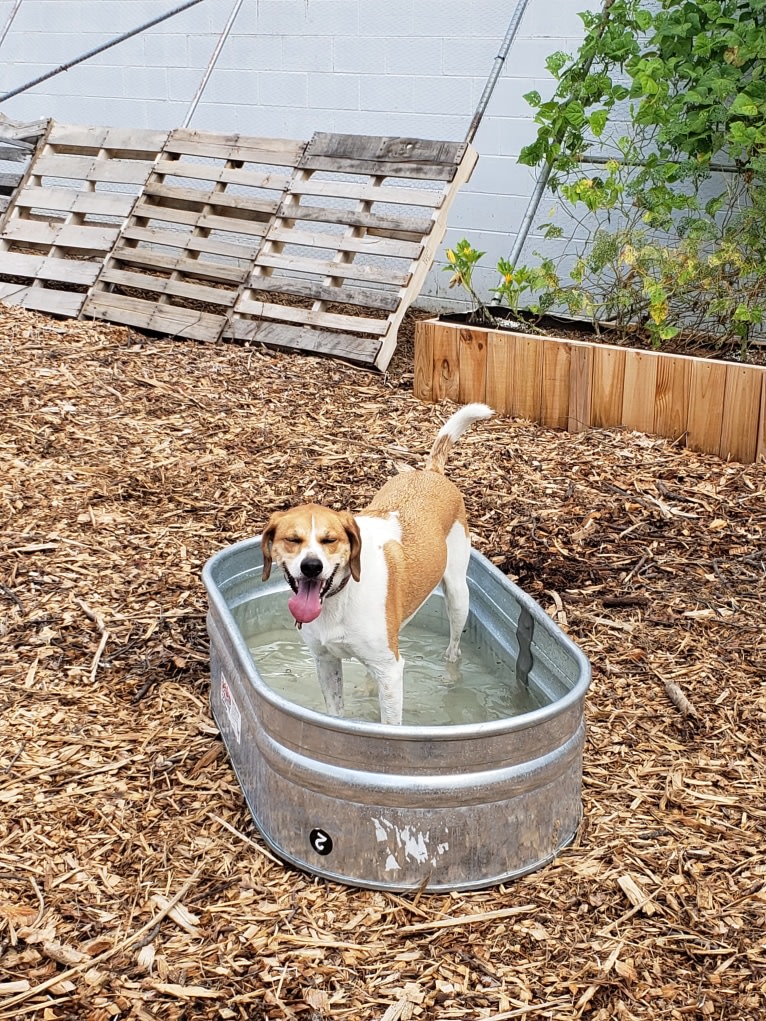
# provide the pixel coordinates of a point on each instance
(311, 567)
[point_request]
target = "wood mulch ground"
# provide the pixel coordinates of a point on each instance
(133, 883)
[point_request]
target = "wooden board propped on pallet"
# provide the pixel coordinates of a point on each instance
(357, 229)
(68, 211)
(318, 246)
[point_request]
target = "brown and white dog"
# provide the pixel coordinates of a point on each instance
(357, 579)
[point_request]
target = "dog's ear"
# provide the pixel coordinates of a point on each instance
(266, 540)
(355, 541)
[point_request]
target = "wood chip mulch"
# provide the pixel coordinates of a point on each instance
(133, 883)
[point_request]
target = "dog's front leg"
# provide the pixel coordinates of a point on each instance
(390, 680)
(330, 675)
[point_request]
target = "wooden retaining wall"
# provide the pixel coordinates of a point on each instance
(713, 406)
(319, 245)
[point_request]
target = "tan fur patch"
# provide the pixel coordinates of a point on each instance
(427, 506)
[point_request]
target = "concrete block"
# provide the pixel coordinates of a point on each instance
(413, 56)
(362, 56)
(283, 88)
(333, 91)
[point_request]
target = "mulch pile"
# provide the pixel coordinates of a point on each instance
(133, 883)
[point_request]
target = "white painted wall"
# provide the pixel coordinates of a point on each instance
(292, 67)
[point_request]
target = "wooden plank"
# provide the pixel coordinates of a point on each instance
(280, 151)
(15, 152)
(422, 382)
(501, 352)
(741, 411)
(9, 182)
(156, 213)
(707, 385)
(413, 171)
(391, 149)
(362, 296)
(556, 369)
(218, 174)
(89, 238)
(760, 447)
(446, 365)
(44, 267)
(181, 239)
(43, 299)
(191, 198)
(338, 345)
(607, 386)
(91, 168)
(344, 243)
(198, 268)
(164, 285)
(580, 387)
(148, 315)
(671, 401)
(137, 143)
(325, 320)
(527, 378)
(428, 198)
(354, 218)
(69, 200)
(639, 390)
(472, 359)
(338, 270)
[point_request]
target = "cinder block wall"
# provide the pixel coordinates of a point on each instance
(292, 67)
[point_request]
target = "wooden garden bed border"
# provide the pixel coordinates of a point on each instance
(708, 405)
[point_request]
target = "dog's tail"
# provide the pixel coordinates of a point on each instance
(451, 432)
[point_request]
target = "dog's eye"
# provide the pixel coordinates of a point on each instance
(328, 541)
(293, 540)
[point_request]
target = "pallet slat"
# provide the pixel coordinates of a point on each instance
(364, 297)
(148, 315)
(340, 345)
(163, 285)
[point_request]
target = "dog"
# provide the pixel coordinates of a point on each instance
(357, 579)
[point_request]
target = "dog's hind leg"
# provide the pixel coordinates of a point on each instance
(455, 588)
(330, 675)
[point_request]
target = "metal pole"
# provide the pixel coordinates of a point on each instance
(497, 67)
(9, 22)
(99, 49)
(212, 62)
(545, 173)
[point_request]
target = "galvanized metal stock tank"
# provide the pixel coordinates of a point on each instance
(397, 808)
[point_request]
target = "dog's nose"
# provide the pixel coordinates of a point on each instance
(311, 567)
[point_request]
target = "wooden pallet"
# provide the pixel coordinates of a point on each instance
(319, 246)
(190, 240)
(68, 211)
(350, 244)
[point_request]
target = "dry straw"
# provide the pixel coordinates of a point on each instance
(132, 882)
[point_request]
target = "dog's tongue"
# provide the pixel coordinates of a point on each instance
(306, 605)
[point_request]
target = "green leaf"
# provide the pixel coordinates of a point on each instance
(743, 106)
(598, 120)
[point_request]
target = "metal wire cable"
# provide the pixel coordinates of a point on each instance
(99, 49)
